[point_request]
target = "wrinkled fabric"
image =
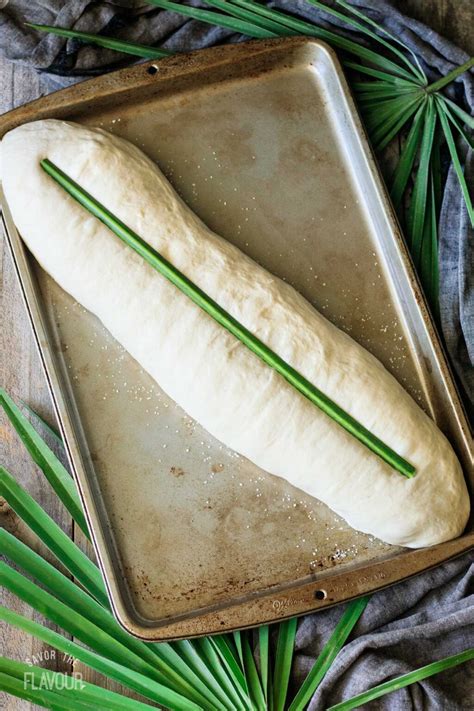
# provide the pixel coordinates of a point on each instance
(432, 615)
(414, 623)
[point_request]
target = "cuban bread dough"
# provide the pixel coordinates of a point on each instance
(208, 372)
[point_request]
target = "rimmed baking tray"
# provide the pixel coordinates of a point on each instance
(263, 141)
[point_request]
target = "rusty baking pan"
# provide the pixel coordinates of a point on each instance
(263, 141)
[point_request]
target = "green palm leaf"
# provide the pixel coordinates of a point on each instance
(163, 656)
(406, 161)
(405, 680)
(383, 130)
(138, 50)
(92, 635)
(242, 13)
(429, 250)
(232, 664)
(379, 74)
(455, 157)
(417, 211)
(52, 431)
(331, 649)
(456, 123)
(53, 536)
(283, 661)
(411, 72)
(307, 28)
(461, 114)
(190, 655)
(126, 676)
(414, 66)
(44, 457)
(264, 651)
(41, 696)
(215, 18)
(253, 679)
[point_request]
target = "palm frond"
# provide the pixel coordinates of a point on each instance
(303, 27)
(52, 536)
(209, 673)
(243, 13)
(413, 65)
(233, 664)
(253, 679)
(264, 651)
(121, 673)
(198, 665)
(163, 656)
(429, 249)
(236, 691)
(456, 123)
(412, 70)
(390, 119)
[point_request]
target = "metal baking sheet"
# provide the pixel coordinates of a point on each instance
(262, 140)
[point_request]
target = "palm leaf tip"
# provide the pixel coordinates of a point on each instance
(138, 50)
(403, 681)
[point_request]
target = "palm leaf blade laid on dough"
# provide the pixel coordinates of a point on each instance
(212, 308)
(140, 666)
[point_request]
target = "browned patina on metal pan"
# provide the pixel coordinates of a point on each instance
(263, 141)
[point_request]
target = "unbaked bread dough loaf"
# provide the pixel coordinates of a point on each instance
(216, 379)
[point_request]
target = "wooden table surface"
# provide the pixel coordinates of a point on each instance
(21, 372)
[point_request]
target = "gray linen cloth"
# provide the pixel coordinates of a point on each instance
(431, 615)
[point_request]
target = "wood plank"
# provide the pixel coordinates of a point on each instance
(22, 376)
